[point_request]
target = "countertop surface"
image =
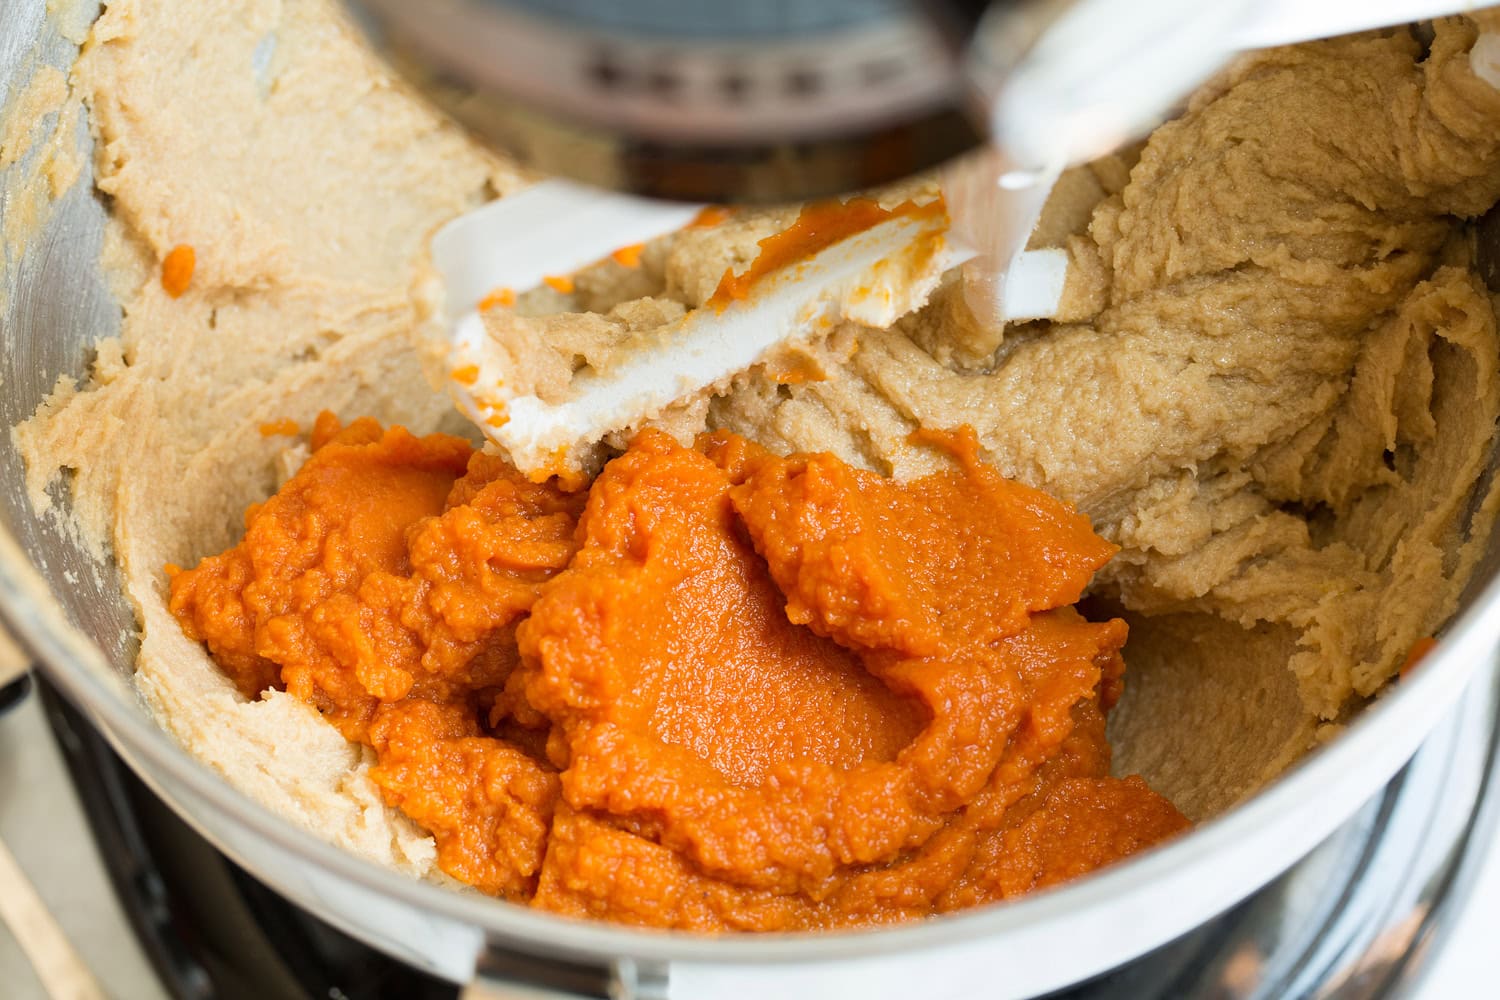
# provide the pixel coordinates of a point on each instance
(42, 823)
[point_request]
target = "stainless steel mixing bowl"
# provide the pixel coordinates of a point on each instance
(69, 613)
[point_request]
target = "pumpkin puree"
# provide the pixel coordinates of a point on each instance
(818, 226)
(718, 689)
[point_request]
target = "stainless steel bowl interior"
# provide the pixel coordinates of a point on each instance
(53, 295)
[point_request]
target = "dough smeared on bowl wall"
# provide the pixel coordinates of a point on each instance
(1277, 393)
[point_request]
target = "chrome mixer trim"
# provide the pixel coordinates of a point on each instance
(508, 975)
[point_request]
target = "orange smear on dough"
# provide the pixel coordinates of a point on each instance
(285, 427)
(710, 216)
(820, 225)
(496, 298)
(629, 256)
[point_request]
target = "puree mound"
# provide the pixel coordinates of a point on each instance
(720, 689)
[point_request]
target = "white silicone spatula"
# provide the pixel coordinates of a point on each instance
(856, 279)
(552, 228)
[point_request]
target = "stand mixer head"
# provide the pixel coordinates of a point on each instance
(696, 101)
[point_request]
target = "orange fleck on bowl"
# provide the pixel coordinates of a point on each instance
(1417, 653)
(177, 269)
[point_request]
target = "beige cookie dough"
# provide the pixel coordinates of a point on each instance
(1277, 388)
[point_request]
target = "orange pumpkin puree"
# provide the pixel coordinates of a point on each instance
(285, 427)
(177, 269)
(1418, 652)
(819, 225)
(718, 689)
